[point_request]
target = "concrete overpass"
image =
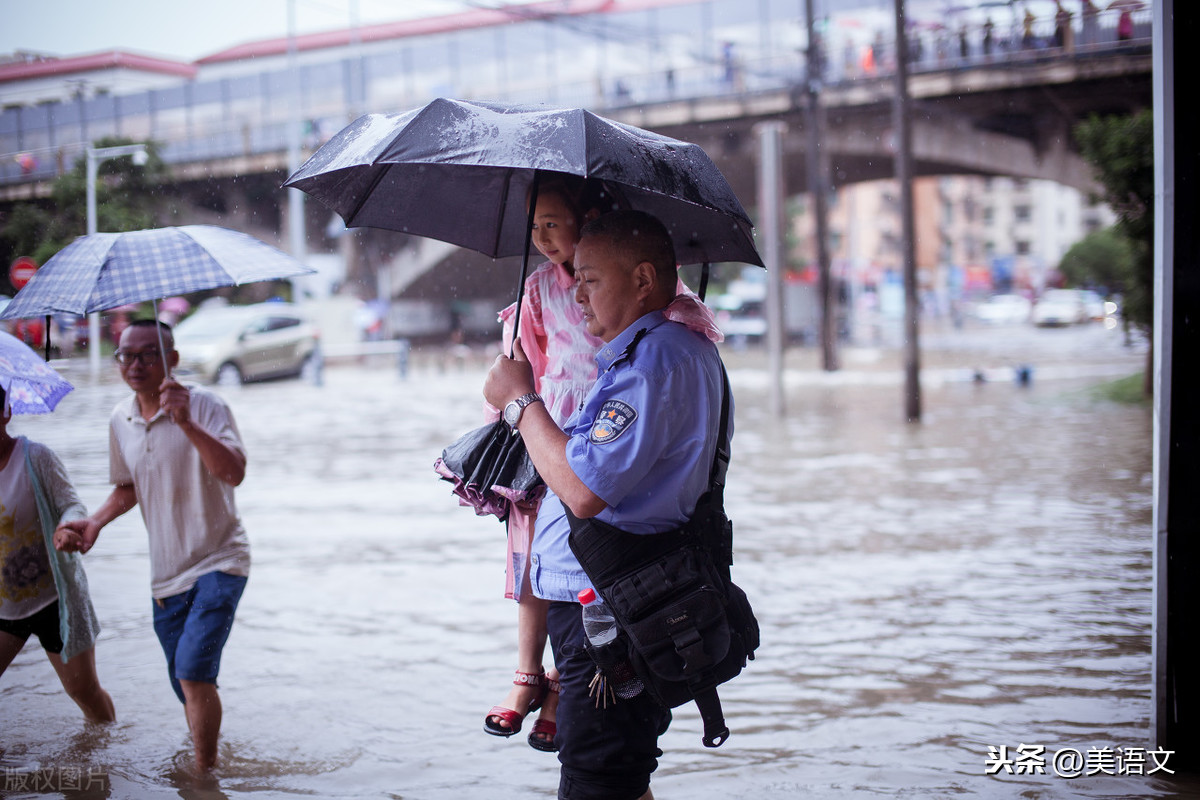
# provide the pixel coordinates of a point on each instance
(1004, 117)
(1008, 115)
(1012, 119)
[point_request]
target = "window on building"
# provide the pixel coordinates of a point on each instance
(1022, 213)
(1023, 248)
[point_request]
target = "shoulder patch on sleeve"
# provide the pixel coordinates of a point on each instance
(613, 419)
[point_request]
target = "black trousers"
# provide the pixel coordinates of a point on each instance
(607, 753)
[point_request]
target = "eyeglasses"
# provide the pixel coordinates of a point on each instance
(147, 357)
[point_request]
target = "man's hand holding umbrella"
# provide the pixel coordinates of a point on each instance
(225, 463)
(175, 401)
(509, 378)
(546, 443)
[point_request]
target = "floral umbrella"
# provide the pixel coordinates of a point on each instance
(31, 386)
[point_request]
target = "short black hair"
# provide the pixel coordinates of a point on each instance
(642, 236)
(168, 334)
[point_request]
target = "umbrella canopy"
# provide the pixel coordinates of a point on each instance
(31, 385)
(104, 270)
(460, 172)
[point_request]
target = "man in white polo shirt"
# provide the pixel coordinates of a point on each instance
(175, 451)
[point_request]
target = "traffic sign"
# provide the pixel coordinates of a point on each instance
(22, 271)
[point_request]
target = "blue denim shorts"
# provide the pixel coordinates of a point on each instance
(192, 627)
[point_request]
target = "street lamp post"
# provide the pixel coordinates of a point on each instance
(94, 156)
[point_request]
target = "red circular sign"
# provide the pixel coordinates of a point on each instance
(22, 271)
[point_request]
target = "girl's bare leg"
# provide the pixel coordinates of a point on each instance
(531, 648)
(78, 677)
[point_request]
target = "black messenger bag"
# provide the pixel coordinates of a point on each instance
(686, 626)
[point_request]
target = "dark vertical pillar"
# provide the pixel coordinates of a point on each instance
(1176, 642)
(904, 174)
(818, 188)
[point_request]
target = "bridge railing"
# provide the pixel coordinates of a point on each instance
(249, 115)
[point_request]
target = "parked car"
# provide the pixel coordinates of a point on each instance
(1003, 309)
(1093, 303)
(1058, 307)
(234, 344)
(740, 319)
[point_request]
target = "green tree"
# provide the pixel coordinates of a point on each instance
(1121, 151)
(128, 197)
(1104, 259)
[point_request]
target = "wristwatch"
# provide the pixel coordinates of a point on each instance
(513, 411)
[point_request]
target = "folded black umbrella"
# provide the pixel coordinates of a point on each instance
(490, 470)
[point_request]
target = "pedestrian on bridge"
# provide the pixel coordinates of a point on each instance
(1064, 34)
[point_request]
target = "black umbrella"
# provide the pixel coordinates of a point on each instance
(462, 171)
(467, 173)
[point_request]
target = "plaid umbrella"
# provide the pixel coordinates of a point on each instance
(106, 270)
(30, 384)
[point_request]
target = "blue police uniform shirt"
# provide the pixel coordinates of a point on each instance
(643, 441)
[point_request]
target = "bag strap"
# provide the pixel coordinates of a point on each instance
(716, 476)
(715, 729)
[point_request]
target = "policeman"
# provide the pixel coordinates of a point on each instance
(636, 455)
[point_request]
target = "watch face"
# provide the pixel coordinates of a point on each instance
(512, 413)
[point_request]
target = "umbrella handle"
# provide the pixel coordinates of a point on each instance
(162, 348)
(704, 280)
(533, 198)
(47, 337)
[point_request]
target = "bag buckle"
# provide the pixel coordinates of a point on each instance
(690, 647)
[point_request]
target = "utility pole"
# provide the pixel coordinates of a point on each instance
(904, 170)
(295, 196)
(818, 186)
(96, 155)
(770, 216)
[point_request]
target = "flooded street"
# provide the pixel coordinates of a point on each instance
(926, 592)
